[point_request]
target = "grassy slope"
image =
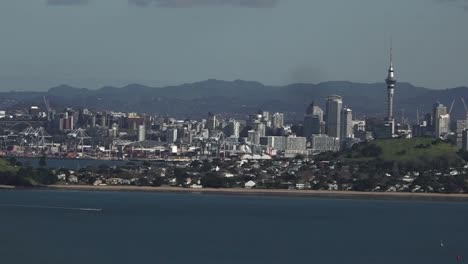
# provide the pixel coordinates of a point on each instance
(406, 150)
(7, 167)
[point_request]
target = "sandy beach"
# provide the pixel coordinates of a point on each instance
(269, 192)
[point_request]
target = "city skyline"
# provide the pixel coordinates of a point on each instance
(62, 42)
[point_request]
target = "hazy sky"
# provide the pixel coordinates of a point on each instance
(92, 43)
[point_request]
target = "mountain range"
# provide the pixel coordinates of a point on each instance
(239, 98)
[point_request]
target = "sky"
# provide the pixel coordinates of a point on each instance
(95, 43)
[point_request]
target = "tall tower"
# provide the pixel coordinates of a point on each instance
(334, 106)
(391, 81)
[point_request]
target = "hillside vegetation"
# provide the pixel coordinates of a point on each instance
(14, 173)
(415, 149)
(414, 152)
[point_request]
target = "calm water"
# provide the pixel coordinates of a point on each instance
(195, 228)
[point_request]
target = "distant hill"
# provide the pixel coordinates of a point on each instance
(238, 98)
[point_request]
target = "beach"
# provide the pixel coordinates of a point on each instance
(274, 192)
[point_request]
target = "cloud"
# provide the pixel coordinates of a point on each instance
(67, 2)
(194, 3)
(463, 4)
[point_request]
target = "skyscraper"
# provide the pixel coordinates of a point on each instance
(278, 120)
(233, 128)
(313, 120)
(171, 135)
(441, 120)
(333, 112)
(391, 82)
(212, 122)
(346, 123)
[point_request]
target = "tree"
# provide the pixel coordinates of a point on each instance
(42, 161)
(45, 176)
(158, 181)
(212, 180)
(180, 175)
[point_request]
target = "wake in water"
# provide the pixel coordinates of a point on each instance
(52, 207)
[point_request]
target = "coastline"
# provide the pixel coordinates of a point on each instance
(7, 187)
(461, 197)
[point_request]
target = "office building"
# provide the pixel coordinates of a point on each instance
(323, 143)
(253, 137)
(141, 133)
(171, 135)
(278, 120)
(346, 123)
(441, 120)
(334, 106)
(313, 120)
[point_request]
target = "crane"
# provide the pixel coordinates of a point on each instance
(47, 106)
(451, 106)
(466, 109)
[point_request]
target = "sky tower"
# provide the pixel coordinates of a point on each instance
(391, 81)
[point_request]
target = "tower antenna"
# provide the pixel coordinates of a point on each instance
(391, 51)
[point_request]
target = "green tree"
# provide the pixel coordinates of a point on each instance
(212, 180)
(158, 181)
(42, 161)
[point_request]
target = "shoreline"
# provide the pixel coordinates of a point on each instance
(461, 197)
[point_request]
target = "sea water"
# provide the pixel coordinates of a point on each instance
(41, 226)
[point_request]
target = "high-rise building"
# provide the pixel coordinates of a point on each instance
(312, 125)
(441, 120)
(259, 127)
(314, 109)
(391, 82)
(333, 112)
(212, 122)
(462, 125)
(465, 140)
(313, 120)
(253, 137)
(346, 123)
(232, 129)
(323, 143)
(277, 142)
(141, 133)
(278, 120)
(171, 135)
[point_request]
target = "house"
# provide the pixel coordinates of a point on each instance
(73, 179)
(249, 184)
